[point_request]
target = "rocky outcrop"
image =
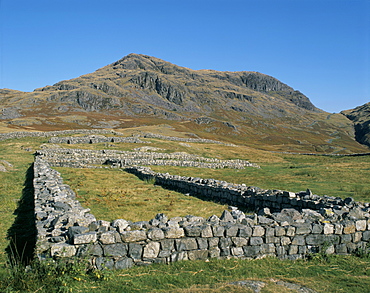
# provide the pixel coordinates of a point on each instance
(168, 90)
(361, 118)
(10, 113)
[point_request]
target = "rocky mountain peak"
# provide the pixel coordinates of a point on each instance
(148, 63)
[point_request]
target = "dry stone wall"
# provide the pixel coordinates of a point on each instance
(287, 225)
(86, 158)
(21, 134)
(94, 139)
(95, 136)
(247, 197)
(182, 139)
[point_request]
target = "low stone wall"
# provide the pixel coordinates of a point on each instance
(86, 158)
(246, 196)
(95, 139)
(183, 139)
(56, 209)
(21, 134)
(134, 139)
(65, 229)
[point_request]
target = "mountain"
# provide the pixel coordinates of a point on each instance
(243, 107)
(142, 85)
(361, 117)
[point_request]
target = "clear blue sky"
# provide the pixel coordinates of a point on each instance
(319, 47)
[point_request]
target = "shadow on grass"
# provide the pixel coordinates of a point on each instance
(22, 234)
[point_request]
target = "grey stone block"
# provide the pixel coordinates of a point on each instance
(120, 224)
(269, 232)
(186, 244)
(316, 239)
(133, 236)
(151, 250)
(298, 240)
(341, 248)
(135, 250)
(225, 252)
(239, 241)
(178, 256)
(245, 232)
(293, 249)
(202, 243)
(317, 228)
(255, 241)
(361, 225)
(109, 237)
(290, 231)
(164, 253)
(268, 248)
(272, 240)
(114, 250)
(332, 239)
(124, 263)
(258, 231)
(251, 251)
(155, 234)
(231, 231)
(62, 250)
(366, 236)
(218, 231)
(74, 230)
(345, 238)
(285, 240)
(214, 252)
(104, 263)
(172, 232)
(281, 251)
(84, 238)
(213, 242)
(198, 254)
(302, 229)
(302, 249)
(192, 231)
(167, 244)
(237, 251)
(206, 231)
(338, 228)
(280, 231)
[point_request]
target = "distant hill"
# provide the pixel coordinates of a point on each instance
(361, 117)
(243, 107)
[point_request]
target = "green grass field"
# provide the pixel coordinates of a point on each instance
(128, 197)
